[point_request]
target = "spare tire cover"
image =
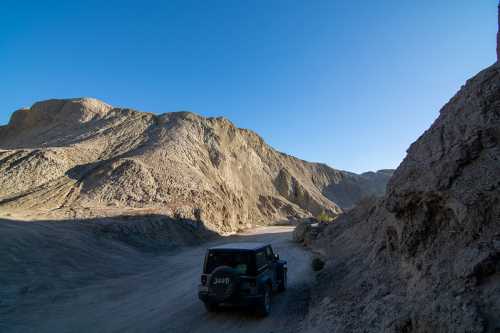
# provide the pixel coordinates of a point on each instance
(223, 283)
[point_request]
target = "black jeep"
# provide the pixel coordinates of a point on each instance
(242, 274)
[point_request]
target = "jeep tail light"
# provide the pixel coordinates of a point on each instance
(203, 279)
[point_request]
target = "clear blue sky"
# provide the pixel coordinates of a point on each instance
(347, 82)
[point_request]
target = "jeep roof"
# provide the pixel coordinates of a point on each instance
(243, 246)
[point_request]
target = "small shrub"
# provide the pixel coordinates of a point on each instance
(324, 217)
(317, 264)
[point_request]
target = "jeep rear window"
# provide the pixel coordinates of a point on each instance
(242, 262)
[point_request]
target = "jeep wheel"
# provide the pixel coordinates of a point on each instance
(284, 283)
(264, 306)
(211, 307)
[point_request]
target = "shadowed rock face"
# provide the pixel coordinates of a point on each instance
(81, 156)
(451, 176)
(426, 257)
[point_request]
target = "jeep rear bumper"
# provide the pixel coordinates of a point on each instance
(240, 299)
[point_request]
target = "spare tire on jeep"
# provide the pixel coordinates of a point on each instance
(223, 283)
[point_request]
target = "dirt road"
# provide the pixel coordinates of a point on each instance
(162, 297)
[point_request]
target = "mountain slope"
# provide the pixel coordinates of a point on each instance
(426, 257)
(84, 157)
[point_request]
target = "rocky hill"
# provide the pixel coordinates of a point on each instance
(426, 257)
(84, 158)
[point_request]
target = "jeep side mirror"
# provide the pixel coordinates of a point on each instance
(277, 256)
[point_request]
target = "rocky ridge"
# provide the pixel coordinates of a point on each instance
(84, 158)
(426, 257)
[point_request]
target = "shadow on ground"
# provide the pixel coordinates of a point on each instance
(40, 256)
(128, 274)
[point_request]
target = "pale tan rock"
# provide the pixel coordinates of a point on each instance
(82, 155)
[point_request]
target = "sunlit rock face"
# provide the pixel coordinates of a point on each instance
(82, 156)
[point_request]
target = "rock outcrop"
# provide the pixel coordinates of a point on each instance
(82, 157)
(426, 257)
